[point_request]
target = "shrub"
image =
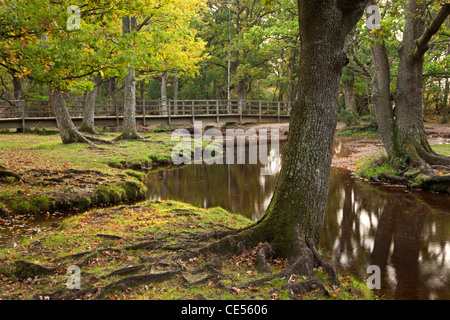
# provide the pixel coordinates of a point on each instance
(348, 117)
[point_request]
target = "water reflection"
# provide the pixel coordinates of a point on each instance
(405, 233)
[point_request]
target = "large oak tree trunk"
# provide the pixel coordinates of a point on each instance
(298, 205)
(293, 221)
(409, 91)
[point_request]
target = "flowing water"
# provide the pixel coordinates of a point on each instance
(405, 233)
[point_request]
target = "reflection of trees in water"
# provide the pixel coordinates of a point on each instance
(404, 234)
(238, 188)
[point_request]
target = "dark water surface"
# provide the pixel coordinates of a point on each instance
(405, 233)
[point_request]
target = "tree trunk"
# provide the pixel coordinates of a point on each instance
(298, 204)
(242, 94)
(382, 100)
(164, 93)
(403, 134)
(87, 125)
(129, 108)
(445, 105)
(175, 93)
(349, 91)
(293, 221)
(67, 130)
(409, 92)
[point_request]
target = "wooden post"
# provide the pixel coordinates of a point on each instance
(217, 111)
(193, 116)
(143, 111)
(260, 111)
(168, 111)
(240, 110)
(116, 106)
(23, 105)
(278, 112)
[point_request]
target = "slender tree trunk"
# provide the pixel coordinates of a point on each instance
(349, 91)
(129, 109)
(445, 105)
(164, 93)
(19, 95)
(382, 100)
(87, 125)
(175, 93)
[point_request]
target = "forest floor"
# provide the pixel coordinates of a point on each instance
(136, 252)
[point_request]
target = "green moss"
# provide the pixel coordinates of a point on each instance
(160, 159)
(373, 165)
(140, 176)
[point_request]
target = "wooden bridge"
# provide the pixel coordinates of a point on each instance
(23, 114)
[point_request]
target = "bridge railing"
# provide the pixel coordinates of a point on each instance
(16, 113)
(43, 109)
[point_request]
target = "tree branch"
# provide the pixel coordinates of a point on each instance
(430, 31)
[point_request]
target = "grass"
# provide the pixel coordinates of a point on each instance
(358, 131)
(443, 149)
(173, 223)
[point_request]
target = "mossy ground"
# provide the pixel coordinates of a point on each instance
(56, 176)
(105, 240)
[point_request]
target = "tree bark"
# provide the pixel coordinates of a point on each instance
(87, 125)
(403, 134)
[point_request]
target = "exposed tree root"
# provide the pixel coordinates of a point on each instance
(98, 140)
(24, 269)
(136, 280)
(136, 137)
(6, 173)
